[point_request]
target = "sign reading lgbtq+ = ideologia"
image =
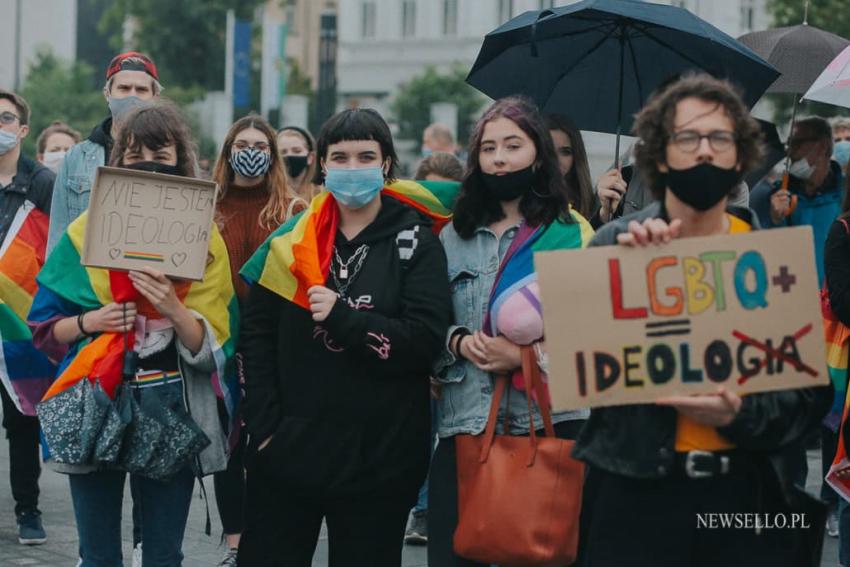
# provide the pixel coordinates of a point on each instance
(631, 325)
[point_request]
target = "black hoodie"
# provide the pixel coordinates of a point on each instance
(347, 400)
(102, 136)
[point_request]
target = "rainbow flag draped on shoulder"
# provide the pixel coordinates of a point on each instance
(66, 287)
(516, 275)
(297, 255)
(25, 372)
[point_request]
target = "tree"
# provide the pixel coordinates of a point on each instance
(186, 38)
(412, 104)
(830, 15)
(57, 90)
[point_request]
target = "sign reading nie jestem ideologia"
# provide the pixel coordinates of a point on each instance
(138, 218)
(628, 326)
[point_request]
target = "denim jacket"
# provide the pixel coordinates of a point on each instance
(72, 188)
(466, 390)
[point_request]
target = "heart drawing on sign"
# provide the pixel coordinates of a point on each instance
(114, 253)
(178, 258)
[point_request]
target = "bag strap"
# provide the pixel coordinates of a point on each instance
(533, 379)
(490, 430)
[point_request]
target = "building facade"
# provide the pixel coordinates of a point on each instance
(26, 30)
(384, 43)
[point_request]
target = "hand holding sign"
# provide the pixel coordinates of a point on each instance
(716, 410)
(158, 290)
(650, 231)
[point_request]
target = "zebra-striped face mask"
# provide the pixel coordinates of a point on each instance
(250, 162)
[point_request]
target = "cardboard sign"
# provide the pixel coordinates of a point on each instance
(627, 326)
(138, 218)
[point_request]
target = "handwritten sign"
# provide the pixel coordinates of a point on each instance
(138, 218)
(627, 326)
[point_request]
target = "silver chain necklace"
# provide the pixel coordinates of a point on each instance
(344, 279)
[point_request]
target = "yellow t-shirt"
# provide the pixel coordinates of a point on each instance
(693, 436)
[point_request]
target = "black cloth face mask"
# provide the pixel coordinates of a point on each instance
(702, 186)
(295, 165)
(155, 167)
(509, 186)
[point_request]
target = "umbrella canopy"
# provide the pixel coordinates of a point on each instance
(598, 60)
(833, 85)
(799, 52)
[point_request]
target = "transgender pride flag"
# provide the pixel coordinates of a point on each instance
(25, 372)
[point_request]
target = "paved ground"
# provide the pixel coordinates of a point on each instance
(200, 550)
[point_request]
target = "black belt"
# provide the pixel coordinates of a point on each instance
(706, 464)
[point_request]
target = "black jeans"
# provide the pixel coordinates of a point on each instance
(282, 524)
(24, 460)
(230, 490)
(657, 522)
(442, 496)
(829, 444)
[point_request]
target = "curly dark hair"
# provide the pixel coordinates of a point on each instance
(153, 127)
(654, 125)
(546, 202)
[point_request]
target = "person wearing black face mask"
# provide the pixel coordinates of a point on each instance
(298, 152)
(652, 466)
(513, 189)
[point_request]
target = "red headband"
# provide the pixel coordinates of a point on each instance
(124, 62)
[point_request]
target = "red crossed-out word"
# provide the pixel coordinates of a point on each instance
(797, 364)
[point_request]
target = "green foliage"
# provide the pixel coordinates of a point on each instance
(830, 15)
(186, 38)
(56, 90)
(412, 105)
(297, 81)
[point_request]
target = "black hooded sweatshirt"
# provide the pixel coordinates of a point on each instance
(347, 400)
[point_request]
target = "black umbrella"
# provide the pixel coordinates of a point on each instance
(598, 60)
(801, 53)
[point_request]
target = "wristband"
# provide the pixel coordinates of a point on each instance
(80, 324)
(458, 336)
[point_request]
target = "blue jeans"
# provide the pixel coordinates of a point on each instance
(422, 499)
(164, 507)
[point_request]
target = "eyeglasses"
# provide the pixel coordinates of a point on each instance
(689, 140)
(7, 118)
(243, 145)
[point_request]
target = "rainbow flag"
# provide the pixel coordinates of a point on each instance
(25, 372)
(297, 255)
(837, 337)
(64, 280)
(517, 268)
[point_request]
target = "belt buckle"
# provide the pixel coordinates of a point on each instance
(691, 464)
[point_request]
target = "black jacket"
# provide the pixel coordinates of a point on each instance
(836, 260)
(33, 182)
(347, 400)
(638, 440)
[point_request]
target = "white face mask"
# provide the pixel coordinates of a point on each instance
(801, 169)
(53, 160)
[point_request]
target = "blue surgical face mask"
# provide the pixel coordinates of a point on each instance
(354, 188)
(121, 107)
(8, 141)
(841, 153)
(427, 152)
